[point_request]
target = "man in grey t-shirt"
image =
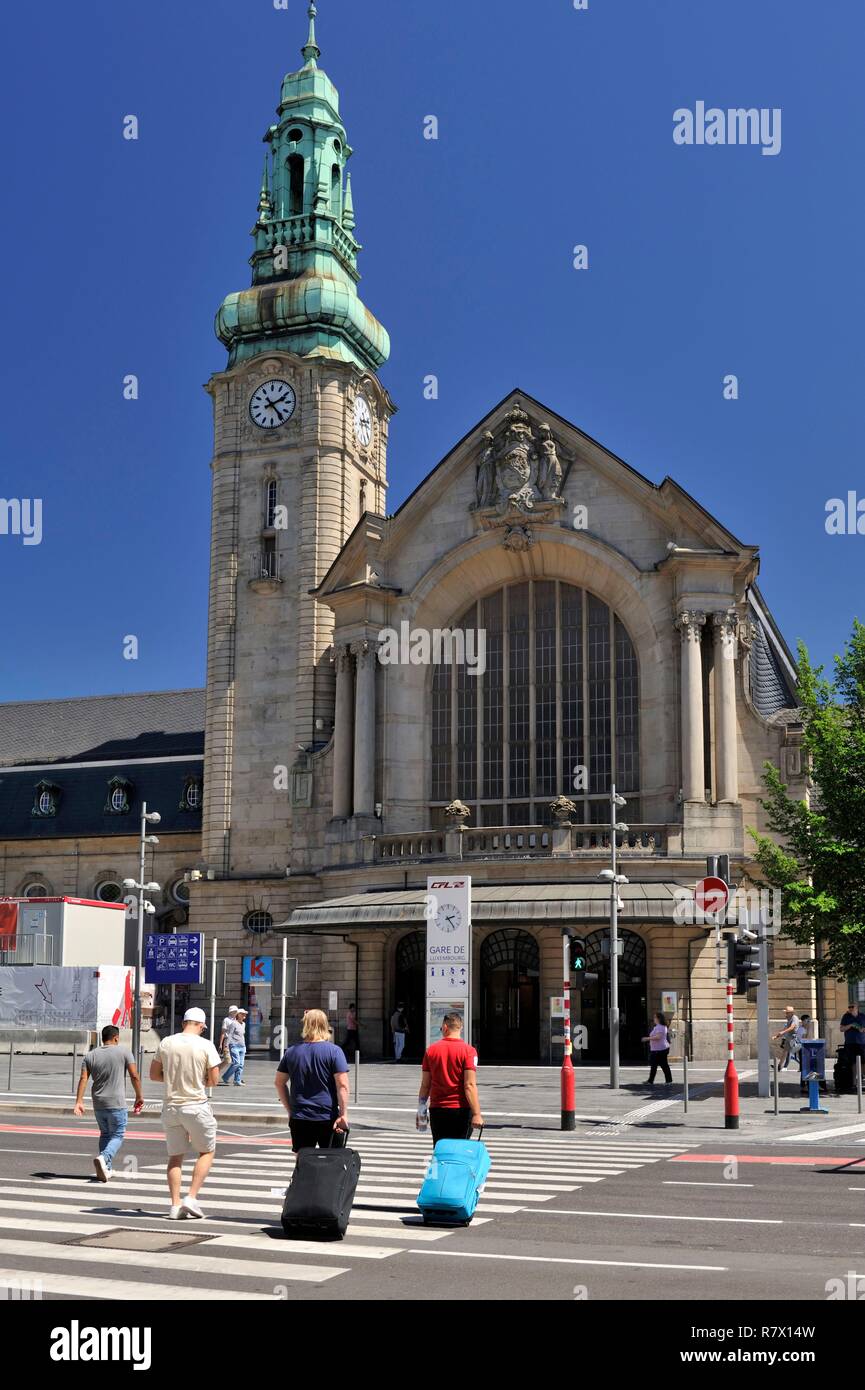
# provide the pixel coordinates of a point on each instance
(108, 1066)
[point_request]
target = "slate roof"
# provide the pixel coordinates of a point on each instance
(770, 685)
(153, 724)
(84, 793)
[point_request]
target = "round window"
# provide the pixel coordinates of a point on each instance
(337, 146)
(295, 135)
(258, 922)
(118, 799)
(193, 796)
(109, 891)
(46, 803)
(36, 890)
(180, 892)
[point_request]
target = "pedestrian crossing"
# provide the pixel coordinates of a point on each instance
(240, 1247)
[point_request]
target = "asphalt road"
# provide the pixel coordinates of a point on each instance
(632, 1216)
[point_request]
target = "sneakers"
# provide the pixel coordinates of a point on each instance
(103, 1172)
(240, 1083)
(190, 1207)
(175, 1214)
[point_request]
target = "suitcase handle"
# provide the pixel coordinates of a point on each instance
(480, 1129)
(343, 1135)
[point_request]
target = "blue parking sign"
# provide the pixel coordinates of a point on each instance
(177, 959)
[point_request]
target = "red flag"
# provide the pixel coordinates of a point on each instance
(123, 1016)
(8, 926)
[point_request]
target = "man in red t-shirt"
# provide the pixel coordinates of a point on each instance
(449, 1084)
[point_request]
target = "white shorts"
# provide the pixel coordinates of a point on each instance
(194, 1125)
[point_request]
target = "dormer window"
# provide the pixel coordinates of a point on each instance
(119, 797)
(192, 793)
(47, 799)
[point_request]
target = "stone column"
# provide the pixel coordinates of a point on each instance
(366, 656)
(690, 624)
(343, 734)
(725, 634)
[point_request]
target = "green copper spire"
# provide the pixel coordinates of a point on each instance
(304, 267)
(311, 50)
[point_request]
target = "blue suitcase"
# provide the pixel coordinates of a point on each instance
(457, 1172)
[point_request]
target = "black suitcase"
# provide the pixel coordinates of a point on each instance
(320, 1195)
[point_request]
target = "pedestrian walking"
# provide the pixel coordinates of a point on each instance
(234, 1037)
(399, 1028)
(312, 1084)
(351, 1042)
(187, 1064)
(224, 1033)
(788, 1036)
(448, 1096)
(659, 1049)
(108, 1067)
(853, 1028)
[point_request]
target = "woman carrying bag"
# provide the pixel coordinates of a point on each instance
(659, 1050)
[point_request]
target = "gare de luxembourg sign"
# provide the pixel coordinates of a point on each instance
(448, 952)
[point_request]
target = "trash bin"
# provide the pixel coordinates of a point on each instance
(813, 1062)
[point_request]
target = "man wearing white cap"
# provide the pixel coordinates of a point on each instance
(225, 1033)
(234, 1035)
(187, 1064)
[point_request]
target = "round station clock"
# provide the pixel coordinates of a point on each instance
(272, 404)
(448, 918)
(362, 422)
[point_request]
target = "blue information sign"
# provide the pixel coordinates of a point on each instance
(257, 970)
(173, 960)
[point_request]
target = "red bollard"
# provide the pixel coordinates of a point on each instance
(731, 1097)
(569, 1093)
(731, 1076)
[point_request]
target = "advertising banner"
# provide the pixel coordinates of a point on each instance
(65, 997)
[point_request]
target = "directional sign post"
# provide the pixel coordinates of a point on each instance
(173, 960)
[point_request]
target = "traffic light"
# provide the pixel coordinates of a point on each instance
(743, 962)
(578, 966)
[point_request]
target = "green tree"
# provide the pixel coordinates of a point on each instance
(819, 860)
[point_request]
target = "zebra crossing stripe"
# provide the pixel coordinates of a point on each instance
(74, 1286)
(194, 1264)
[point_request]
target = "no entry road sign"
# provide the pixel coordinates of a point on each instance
(711, 896)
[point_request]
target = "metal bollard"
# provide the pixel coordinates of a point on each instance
(685, 1082)
(356, 1076)
(74, 1066)
(140, 1061)
(775, 1082)
(859, 1082)
(11, 1057)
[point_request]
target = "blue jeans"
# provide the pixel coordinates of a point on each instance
(237, 1053)
(112, 1129)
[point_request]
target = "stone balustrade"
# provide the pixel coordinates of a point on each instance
(526, 841)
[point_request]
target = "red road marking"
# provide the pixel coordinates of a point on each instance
(764, 1158)
(133, 1134)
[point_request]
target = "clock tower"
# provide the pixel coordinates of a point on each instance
(300, 444)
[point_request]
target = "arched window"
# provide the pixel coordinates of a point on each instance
(295, 185)
(109, 891)
(36, 890)
(271, 498)
(336, 191)
(553, 710)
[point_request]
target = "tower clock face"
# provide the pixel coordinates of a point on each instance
(272, 404)
(449, 918)
(362, 422)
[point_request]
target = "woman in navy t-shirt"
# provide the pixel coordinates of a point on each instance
(312, 1083)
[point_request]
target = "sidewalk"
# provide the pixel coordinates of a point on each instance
(523, 1099)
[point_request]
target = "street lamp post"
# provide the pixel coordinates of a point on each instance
(144, 906)
(615, 879)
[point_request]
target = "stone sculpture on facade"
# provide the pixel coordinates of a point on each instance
(519, 475)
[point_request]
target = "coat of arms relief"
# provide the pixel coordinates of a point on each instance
(520, 476)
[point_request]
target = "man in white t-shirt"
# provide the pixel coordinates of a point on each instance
(187, 1064)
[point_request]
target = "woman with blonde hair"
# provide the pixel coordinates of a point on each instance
(312, 1083)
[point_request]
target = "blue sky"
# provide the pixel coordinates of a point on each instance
(555, 129)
